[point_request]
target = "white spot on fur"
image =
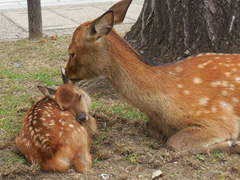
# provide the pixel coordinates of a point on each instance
(42, 119)
(226, 105)
(45, 140)
(178, 69)
(199, 113)
(71, 125)
(179, 85)
(217, 57)
(32, 133)
(64, 114)
(228, 74)
(235, 100)
(214, 109)
(237, 79)
(224, 93)
(186, 92)
(215, 84)
(27, 144)
(197, 80)
(204, 101)
(52, 123)
(61, 133)
(224, 118)
(234, 69)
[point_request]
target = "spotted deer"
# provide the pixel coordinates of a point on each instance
(194, 102)
(56, 131)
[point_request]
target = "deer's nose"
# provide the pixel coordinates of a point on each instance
(82, 117)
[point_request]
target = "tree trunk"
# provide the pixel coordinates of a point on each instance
(167, 30)
(34, 18)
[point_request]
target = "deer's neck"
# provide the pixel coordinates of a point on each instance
(146, 87)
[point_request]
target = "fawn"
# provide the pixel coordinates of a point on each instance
(57, 129)
(194, 102)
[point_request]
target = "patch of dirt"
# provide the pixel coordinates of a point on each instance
(122, 150)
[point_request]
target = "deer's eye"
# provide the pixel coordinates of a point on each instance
(72, 54)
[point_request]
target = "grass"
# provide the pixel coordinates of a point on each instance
(118, 110)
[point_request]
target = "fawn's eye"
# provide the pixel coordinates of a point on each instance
(79, 97)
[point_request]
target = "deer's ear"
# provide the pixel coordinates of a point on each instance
(48, 92)
(120, 9)
(102, 25)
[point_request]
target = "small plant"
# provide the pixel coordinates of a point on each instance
(99, 139)
(12, 160)
(199, 157)
(94, 161)
(217, 154)
(132, 158)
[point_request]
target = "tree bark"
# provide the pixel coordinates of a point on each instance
(34, 19)
(167, 30)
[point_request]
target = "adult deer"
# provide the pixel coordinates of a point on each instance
(195, 102)
(51, 134)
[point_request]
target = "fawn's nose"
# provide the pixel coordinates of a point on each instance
(82, 117)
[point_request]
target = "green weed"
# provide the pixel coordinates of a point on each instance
(132, 158)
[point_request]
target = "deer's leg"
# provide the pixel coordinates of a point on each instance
(83, 161)
(202, 139)
(226, 146)
(151, 128)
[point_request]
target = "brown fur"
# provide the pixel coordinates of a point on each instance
(195, 102)
(52, 137)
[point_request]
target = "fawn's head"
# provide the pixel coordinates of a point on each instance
(88, 49)
(69, 97)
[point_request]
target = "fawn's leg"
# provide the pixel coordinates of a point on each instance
(60, 162)
(83, 160)
(90, 125)
(202, 139)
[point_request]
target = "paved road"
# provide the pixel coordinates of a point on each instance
(60, 17)
(17, 4)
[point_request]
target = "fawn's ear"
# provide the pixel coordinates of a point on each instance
(102, 25)
(48, 92)
(119, 10)
(64, 77)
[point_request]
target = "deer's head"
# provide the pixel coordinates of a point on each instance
(88, 51)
